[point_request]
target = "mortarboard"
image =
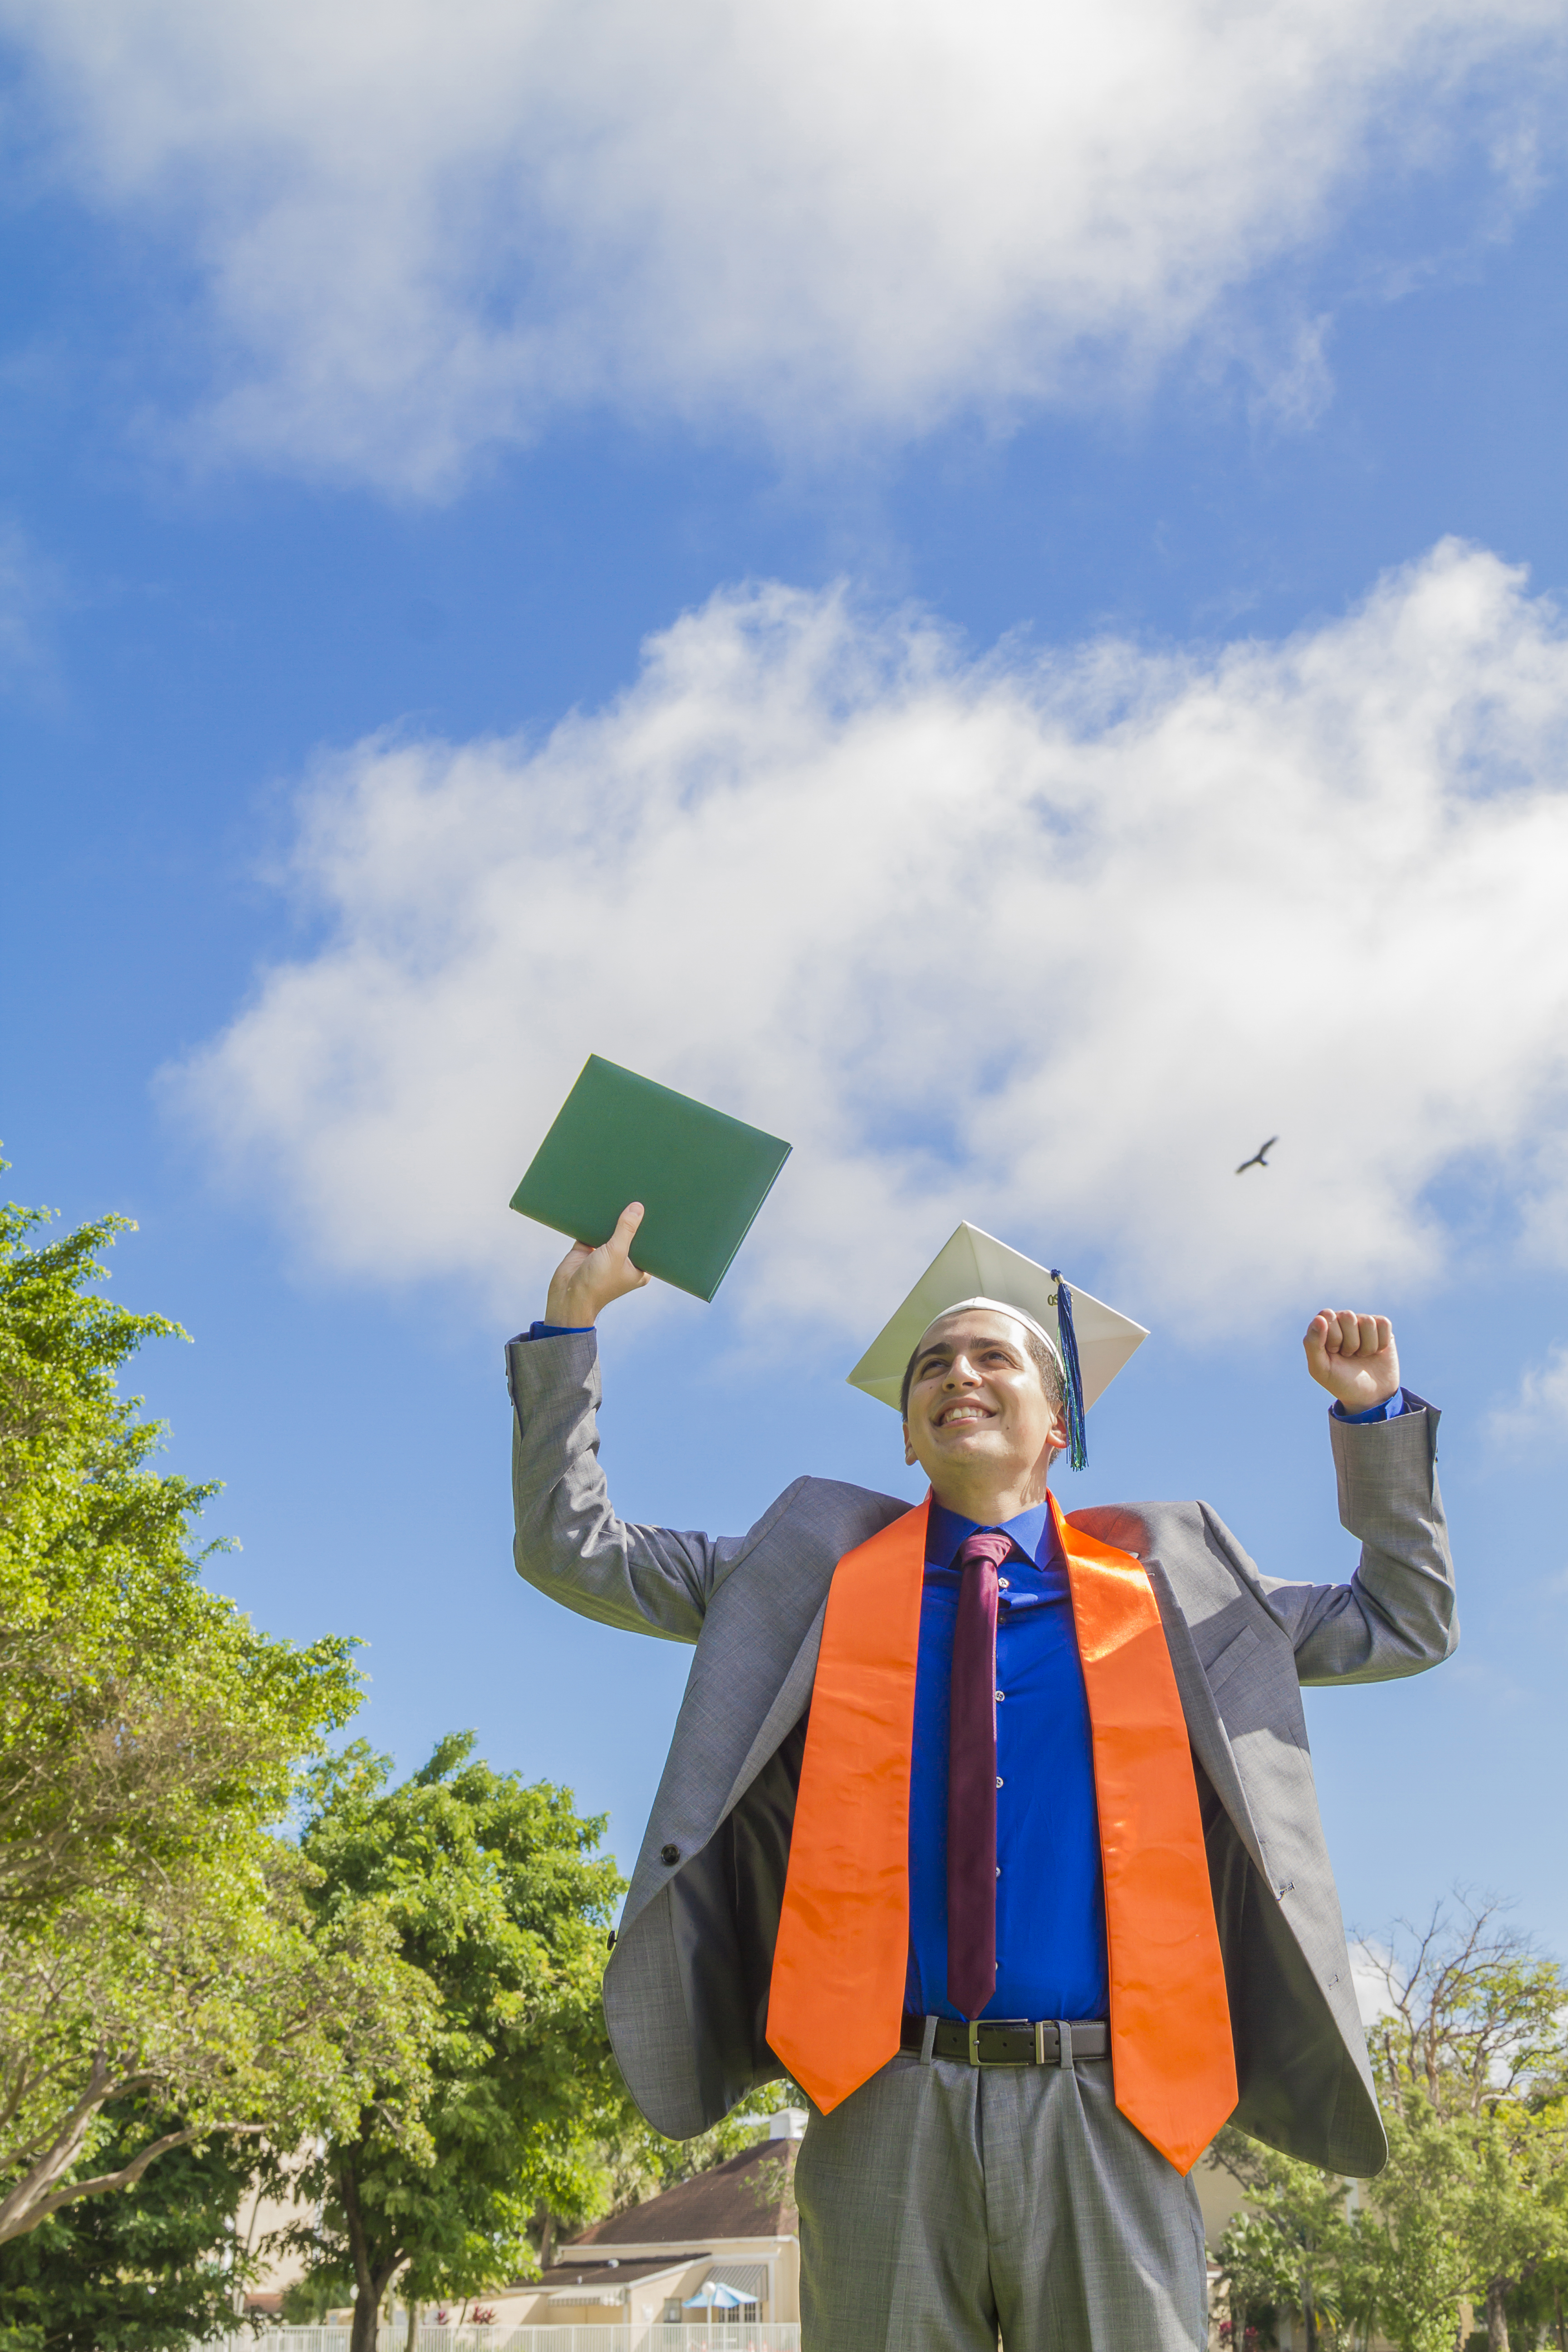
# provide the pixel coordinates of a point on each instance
(701, 1175)
(1090, 1340)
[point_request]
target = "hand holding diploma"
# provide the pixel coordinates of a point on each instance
(587, 1279)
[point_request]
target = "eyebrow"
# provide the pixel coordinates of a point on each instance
(945, 1349)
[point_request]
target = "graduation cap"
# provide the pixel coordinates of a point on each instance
(1089, 1340)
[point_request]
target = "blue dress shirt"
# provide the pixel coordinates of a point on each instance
(1050, 1896)
(1051, 1904)
(1387, 1411)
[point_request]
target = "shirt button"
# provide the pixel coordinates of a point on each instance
(1003, 1584)
(1001, 1693)
(998, 1779)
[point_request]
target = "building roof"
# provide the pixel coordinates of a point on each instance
(602, 2277)
(751, 2196)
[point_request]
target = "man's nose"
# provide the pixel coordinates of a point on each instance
(960, 1373)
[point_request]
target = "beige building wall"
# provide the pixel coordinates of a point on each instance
(257, 2219)
(1219, 2196)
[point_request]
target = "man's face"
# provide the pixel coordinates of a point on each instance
(976, 1402)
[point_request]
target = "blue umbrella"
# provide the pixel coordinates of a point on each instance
(713, 2294)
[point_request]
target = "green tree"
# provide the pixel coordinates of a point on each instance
(1469, 2061)
(151, 2269)
(1472, 2207)
(498, 1901)
(1516, 2221)
(1414, 2226)
(1296, 2245)
(154, 1937)
(1538, 2306)
(1257, 2274)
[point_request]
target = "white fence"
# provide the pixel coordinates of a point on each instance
(724, 2336)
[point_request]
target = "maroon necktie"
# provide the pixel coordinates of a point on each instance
(972, 1777)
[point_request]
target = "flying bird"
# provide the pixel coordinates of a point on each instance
(1260, 1157)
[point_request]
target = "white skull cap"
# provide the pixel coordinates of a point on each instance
(999, 1307)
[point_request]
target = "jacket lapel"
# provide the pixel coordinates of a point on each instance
(1211, 1741)
(793, 1698)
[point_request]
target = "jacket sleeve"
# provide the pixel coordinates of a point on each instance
(570, 1542)
(1396, 1614)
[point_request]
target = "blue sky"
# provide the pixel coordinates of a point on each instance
(981, 591)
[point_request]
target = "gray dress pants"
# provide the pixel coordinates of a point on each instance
(941, 2204)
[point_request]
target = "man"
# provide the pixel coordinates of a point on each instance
(1025, 1948)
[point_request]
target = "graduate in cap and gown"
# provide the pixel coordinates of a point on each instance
(992, 1825)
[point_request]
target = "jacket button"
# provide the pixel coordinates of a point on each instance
(610, 1940)
(670, 1855)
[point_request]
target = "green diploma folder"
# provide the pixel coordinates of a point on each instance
(701, 1176)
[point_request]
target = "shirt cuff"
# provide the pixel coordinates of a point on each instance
(551, 1332)
(1389, 1410)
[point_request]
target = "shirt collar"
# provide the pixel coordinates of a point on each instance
(946, 1531)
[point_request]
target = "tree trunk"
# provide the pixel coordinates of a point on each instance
(367, 2313)
(408, 2340)
(545, 2221)
(1496, 2316)
(370, 2280)
(1557, 2300)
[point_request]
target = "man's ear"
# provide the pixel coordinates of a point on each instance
(909, 1449)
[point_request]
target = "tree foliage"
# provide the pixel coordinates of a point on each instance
(1472, 2207)
(1468, 2053)
(1294, 2246)
(498, 1900)
(155, 1940)
(151, 2269)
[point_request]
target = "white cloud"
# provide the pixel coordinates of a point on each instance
(1372, 1966)
(1049, 944)
(1538, 1407)
(424, 225)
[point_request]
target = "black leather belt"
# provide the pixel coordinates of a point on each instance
(1008, 2041)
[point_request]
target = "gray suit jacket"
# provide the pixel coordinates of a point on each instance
(686, 1993)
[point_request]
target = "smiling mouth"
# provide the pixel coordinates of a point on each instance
(964, 1414)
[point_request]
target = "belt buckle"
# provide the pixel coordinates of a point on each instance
(999, 2025)
(973, 2053)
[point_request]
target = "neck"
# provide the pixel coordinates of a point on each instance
(989, 1501)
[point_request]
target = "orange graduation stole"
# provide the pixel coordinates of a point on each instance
(837, 1996)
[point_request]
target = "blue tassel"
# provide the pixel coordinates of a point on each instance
(1077, 1447)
